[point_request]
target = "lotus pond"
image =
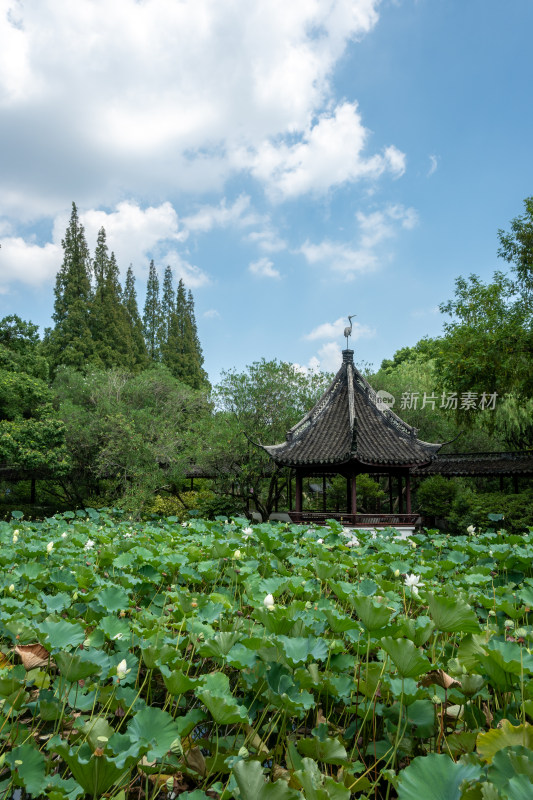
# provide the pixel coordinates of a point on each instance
(277, 662)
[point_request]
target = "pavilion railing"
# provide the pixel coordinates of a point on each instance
(355, 520)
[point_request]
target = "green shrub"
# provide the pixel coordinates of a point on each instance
(204, 503)
(471, 508)
(435, 496)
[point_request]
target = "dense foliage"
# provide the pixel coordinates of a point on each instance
(273, 661)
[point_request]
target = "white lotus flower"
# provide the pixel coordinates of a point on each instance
(246, 533)
(127, 535)
(396, 573)
(320, 541)
(117, 636)
(268, 602)
(64, 535)
(237, 554)
(471, 530)
(11, 589)
(89, 544)
(15, 537)
(122, 670)
(413, 582)
(49, 547)
(353, 542)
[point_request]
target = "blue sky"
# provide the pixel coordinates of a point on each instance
(293, 162)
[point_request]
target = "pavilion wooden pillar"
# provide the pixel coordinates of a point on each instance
(353, 503)
(400, 495)
(408, 492)
(391, 502)
(324, 504)
(298, 492)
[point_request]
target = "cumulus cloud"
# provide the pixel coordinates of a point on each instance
(192, 276)
(374, 228)
(134, 234)
(27, 262)
(329, 153)
(211, 313)
(267, 240)
(335, 330)
(339, 257)
(208, 217)
(101, 100)
(330, 357)
(264, 268)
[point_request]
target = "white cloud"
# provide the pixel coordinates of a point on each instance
(374, 228)
(335, 330)
(28, 263)
(433, 164)
(208, 217)
(380, 225)
(211, 313)
(267, 240)
(339, 257)
(330, 357)
(134, 234)
(264, 268)
(192, 276)
(329, 153)
(101, 99)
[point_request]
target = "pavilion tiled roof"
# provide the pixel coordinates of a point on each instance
(349, 425)
(479, 464)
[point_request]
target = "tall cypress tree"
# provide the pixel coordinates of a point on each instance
(110, 324)
(200, 375)
(140, 356)
(183, 354)
(168, 306)
(152, 315)
(70, 341)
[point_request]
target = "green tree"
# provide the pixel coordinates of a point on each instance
(21, 349)
(32, 438)
(183, 354)
(257, 405)
(168, 308)
(152, 315)
(129, 436)
(140, 355)
(488, 344)
(70, 341)
(111, 326)
(516, 247)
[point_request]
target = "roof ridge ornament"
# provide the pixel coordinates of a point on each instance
(348, 329)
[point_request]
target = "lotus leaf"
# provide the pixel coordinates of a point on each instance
(216, 696)
(62, 634)
(252, 785)
(407, 659)
(452, 615)
(435, 777)
(507, 735)
(29, 766)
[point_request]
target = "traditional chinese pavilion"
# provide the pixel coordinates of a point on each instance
(348, 432)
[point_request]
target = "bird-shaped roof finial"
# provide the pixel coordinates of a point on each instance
(348, 329)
